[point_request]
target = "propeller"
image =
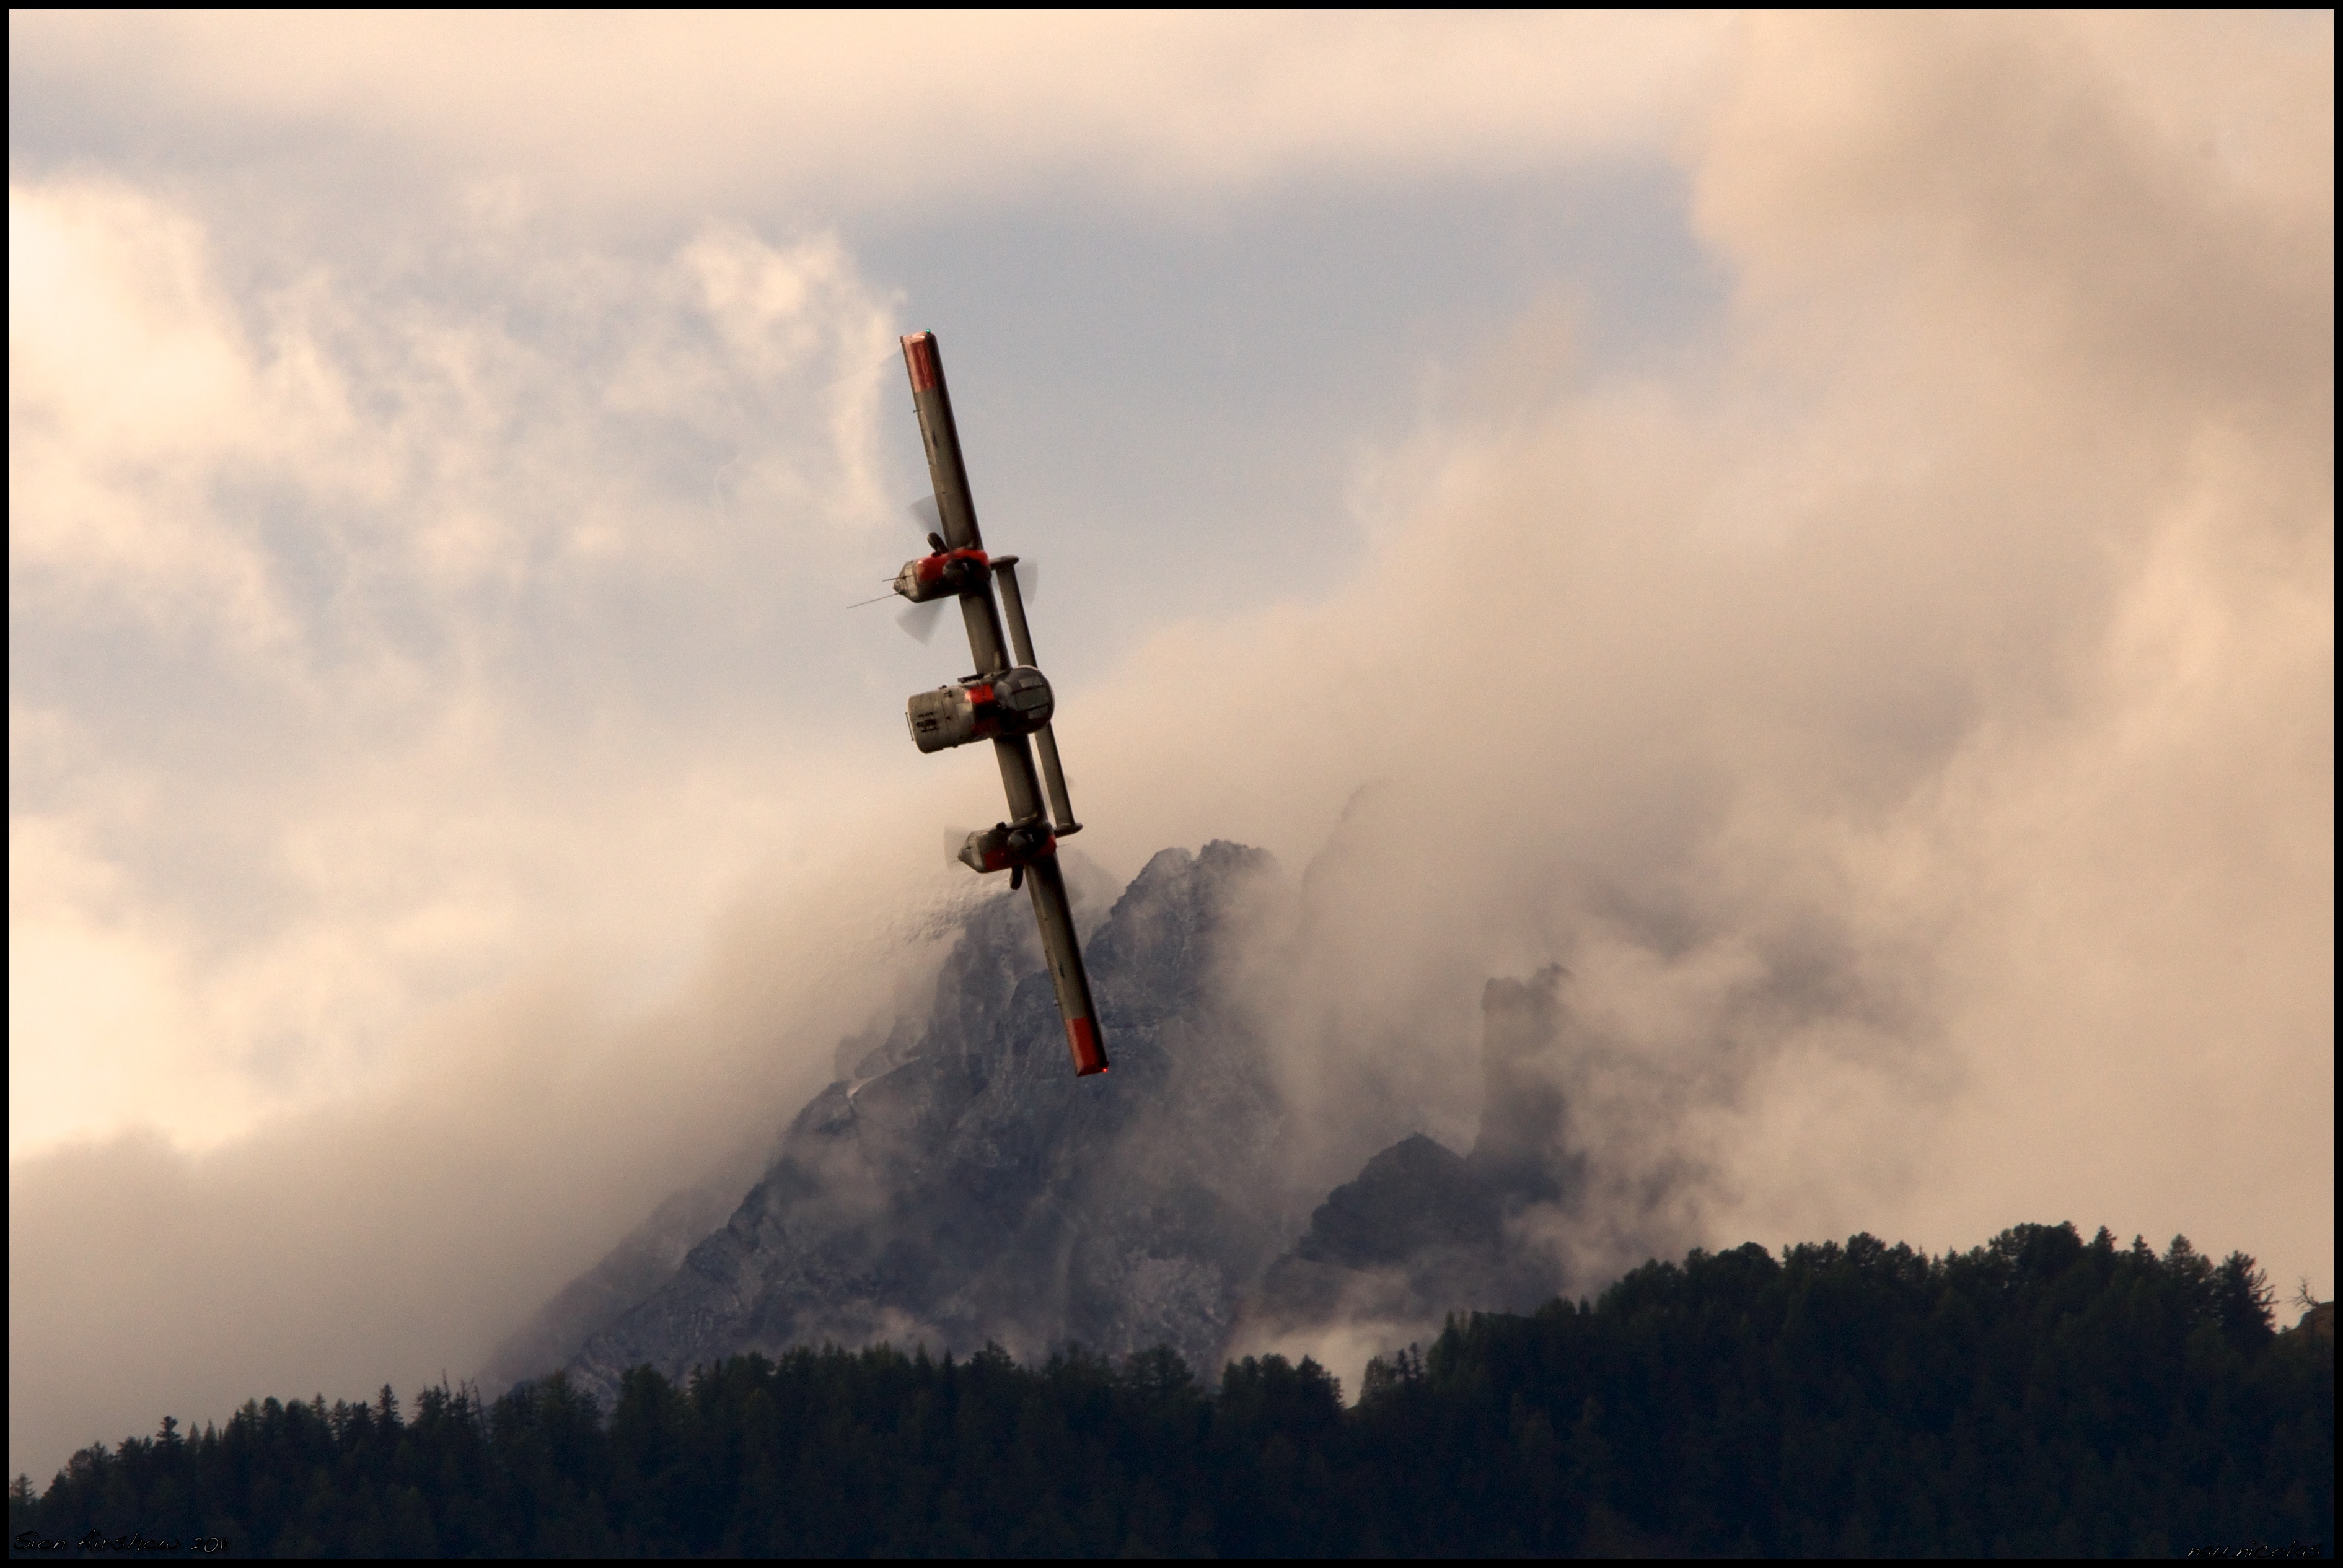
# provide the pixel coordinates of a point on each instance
(930, 518)
(956, 840)
(920, 620)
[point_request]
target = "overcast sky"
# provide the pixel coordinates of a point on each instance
(1823, 527)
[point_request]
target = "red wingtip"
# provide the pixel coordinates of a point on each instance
(919, 354)
(1089, 1055)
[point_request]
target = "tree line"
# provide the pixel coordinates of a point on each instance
(2039, 1394)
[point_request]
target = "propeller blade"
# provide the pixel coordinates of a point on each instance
(920, 620)
(954, 840)
(928, 515)
(1029, 577)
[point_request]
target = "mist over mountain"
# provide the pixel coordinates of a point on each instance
(957, 1186)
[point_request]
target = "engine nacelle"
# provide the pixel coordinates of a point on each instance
(1014, 702)
(1002, 847)
(943, 575)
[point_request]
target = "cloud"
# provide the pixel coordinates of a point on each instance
(1908, 724)
(1905, 712)
(309, 595)
(856, 112)
(128, 385)
(380, 778)
(401, 1233)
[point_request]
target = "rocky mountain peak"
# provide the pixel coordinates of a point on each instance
(1412, 1198)
(1421, 1231)
(956, 1185)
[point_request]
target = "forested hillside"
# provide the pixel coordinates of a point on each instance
(2038, 1394)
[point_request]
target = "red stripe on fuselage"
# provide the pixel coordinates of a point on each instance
(1089, 1055)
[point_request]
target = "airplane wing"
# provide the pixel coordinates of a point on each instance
(1003, 710)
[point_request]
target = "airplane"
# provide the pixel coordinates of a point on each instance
(1006, 703)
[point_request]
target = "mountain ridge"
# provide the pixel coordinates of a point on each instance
(956, 1187)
